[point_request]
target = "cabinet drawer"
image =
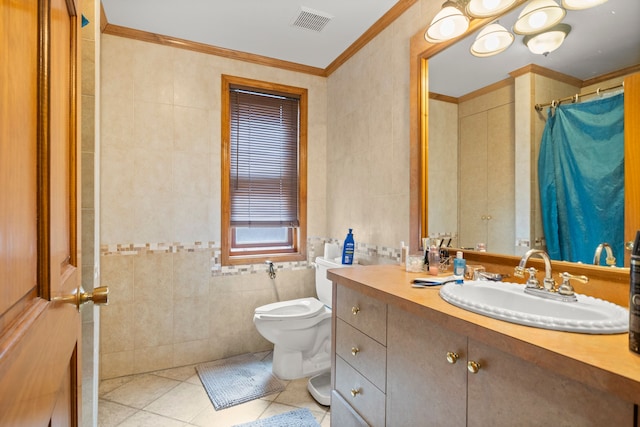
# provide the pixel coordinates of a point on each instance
(368, 400)
(362, 312)
(342, 414)
(365, 354)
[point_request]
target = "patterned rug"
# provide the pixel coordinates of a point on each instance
(236, 380)
(297, 418)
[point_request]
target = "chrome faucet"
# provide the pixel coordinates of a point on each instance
(610, 260)
(548, 283)
(548, 290)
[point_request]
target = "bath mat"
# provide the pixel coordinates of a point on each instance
(297, 418)
(236, 380)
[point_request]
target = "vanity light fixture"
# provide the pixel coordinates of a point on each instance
(449, 23)
(488, 8)
(581, 4)
(538, 16)
(547, 41)
(493, 39)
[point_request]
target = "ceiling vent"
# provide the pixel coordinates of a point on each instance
(310, 19)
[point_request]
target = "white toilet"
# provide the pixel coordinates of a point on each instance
(300, 331)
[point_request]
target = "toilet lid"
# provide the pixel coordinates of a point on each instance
(301, 308)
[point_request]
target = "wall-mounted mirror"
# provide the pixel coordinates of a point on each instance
(603, 41)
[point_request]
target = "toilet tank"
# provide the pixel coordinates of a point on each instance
(323, 285)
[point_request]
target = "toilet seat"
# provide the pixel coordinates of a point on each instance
(302, 308)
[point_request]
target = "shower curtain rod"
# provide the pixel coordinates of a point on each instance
(575, 97)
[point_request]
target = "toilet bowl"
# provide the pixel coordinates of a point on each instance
(300, 329)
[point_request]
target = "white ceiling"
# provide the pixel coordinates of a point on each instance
(261, 27)
(602, 39)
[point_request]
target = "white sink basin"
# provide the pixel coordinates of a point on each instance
(507, 301)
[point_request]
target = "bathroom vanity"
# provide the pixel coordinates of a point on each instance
(404, 357)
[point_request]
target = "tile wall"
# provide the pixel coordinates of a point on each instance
(171, 304)
(368, 135)
(90, 314)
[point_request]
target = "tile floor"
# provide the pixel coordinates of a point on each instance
(176, 398)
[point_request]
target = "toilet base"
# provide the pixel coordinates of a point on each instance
(289, 365)
(320, 388)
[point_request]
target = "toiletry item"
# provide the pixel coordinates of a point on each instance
(434, 260)
(481, 247)
(404, 254)
(634, 297)
(348, 249)
(414, 264)
(459, 265)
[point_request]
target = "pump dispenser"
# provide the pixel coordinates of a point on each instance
(348, 249)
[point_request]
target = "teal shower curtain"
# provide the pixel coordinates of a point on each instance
(581, 179)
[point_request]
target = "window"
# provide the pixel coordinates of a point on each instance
(264, 153)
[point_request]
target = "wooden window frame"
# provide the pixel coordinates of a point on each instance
(297, 251)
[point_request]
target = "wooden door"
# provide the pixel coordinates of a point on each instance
(39, 245)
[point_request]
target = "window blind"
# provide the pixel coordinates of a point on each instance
(263, 159)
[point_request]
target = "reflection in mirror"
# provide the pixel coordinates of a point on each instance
(482, 124)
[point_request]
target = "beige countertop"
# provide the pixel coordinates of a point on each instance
(600, 361)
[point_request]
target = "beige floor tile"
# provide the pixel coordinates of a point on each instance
(296, 394)
(111, 414)
(147, 419)
(194, 379)
(183, 402)
(326, 421)
(181, 374)
(238, 414)
(111, 384)
(176, 398)
(141, 390)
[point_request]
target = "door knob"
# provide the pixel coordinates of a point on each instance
(99, 296)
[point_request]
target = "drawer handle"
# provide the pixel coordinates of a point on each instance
(473, 367)
(355, 391)
(452, 357)
(355, 310)
(355, 351)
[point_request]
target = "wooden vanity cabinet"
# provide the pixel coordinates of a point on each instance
(424, 388)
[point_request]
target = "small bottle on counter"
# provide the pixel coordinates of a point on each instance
(434, 260)
(459, 266)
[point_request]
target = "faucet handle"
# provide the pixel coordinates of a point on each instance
(533, 281)
(565, 288)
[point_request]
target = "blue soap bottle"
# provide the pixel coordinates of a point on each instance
(348, 248)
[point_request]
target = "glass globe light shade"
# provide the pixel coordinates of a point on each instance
(538, 16)
(449, 23)
(493, 39)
